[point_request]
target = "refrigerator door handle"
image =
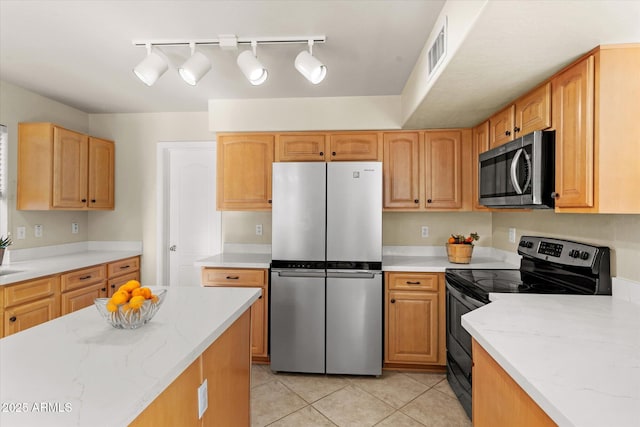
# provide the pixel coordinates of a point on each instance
(299, 273)
(351, 274)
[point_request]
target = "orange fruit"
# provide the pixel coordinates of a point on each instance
(131, 285)
(452, 240)
(136, 302)
(120, 297)
(137, 292)
(111, 306)
(146, 292)
(154, 298)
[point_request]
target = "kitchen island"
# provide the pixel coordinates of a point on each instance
(577, 357)
(77, 370)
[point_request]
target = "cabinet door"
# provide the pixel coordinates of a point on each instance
(259, 329)
(443, 169)
(480, 144)
(70, 163)
(80, 298)
(115, 283)
(401, 172)
(501, 127)
(573, 103)
(412, 327)
(301, 147)
(244, 172)
(533, 111)
(21, 317)
(355, 146)
(101, 173)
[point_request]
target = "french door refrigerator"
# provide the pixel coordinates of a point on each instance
(326, 279)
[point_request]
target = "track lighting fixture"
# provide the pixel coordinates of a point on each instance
(195, 67)
(309, 66)
(151, 67)
(155, 64)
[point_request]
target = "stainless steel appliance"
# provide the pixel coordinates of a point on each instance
(520, 173)
(548, 266)
(326, 279)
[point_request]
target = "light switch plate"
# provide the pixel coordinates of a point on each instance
(21, 233)
(37, 230)
(203, 399)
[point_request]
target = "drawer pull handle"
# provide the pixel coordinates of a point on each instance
(124, 267)
(393, 301)
(85, 277)
(412, 283)
(13, 319)
(232, 277)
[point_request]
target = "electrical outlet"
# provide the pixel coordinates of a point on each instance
(37, 230)
(74, 228)
(203, 399)
(258, 229)
(424, 231)
(512, 235)
(21, 232)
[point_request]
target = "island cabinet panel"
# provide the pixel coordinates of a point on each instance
(30, 303)
(259, 310)
(414, 320)
(301, 147)
(498, 401)
(60, 169)
(244, 171)
(355, 146)
(401, 170)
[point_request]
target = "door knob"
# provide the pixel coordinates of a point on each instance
(393, 301)
(173, 248)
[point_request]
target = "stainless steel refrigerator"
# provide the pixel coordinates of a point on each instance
(326, 279)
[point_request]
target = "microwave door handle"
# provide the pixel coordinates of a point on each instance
(514, 167)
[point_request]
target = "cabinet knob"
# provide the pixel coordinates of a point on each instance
(93, 200)
(260, 297)
(516, 129)
(113, 286)
(555, 195)
(269, 201)
(393, 301)
(103, 289)
(508, 132)
(84, 200)
(333, 153)
(428, 200)
(416, 201)
(13, 319)
(322, 153)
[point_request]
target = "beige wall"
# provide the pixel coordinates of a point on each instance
(404, 228)
(19, 105)
(620, 232)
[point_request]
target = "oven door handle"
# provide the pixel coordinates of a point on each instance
(463, 297)
(514, 170)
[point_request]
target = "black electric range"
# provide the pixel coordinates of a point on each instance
(548, 266)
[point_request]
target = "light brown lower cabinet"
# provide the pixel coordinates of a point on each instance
(247, 277)
(30, 303)
(226, 365)
(80, 287)
(414, 320)
(498, 401)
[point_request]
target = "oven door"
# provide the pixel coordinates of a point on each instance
(459, 359)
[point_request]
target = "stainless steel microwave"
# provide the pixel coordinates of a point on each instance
(520, 173)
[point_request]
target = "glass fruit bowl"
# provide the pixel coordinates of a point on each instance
(125, 317)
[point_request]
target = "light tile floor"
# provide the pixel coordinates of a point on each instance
(395, 399)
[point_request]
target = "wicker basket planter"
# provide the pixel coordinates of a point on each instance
(459, 253)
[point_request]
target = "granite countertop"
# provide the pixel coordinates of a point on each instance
(58, 259)
(96, 375)
(395, 258)
(578, 357)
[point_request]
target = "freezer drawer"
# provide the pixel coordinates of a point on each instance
(354, 323)
(297, 321)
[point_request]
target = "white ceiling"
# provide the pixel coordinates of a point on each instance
(81, 52)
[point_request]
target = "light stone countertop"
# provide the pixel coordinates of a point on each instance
(236, 260)
(96, 375)
(578, 357)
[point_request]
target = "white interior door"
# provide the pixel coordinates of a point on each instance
(194, 222)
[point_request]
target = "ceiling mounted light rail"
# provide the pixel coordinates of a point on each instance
(155, 64)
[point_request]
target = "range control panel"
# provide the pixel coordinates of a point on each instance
(559, 251)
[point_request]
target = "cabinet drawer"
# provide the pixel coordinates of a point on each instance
(413, 281)
(83, 277)
(123, 266)
(233, 277)
(29, 291)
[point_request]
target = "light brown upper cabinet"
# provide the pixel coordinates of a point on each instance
(355, 146)
(595, 115)
(480, 144)
(301, 147)
(244, 171)
(435, 179)
(59, 169)
(529, 113)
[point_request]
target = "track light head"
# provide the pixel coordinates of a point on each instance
(253, 69)
(309, 66)
(151, 67)
(195, 67)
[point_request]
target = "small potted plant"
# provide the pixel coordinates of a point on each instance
(4, 243)
(460, 248)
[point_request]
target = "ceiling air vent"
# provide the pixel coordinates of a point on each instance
(438, 49)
